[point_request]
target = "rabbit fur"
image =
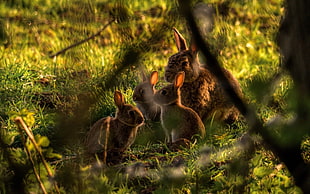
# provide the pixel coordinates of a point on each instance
(178, 121)
(143, 97)
(201, 91)
(116, 133)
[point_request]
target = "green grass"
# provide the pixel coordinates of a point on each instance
(70, 92)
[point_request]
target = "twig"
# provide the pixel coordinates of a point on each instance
(107, 134)
(82, 41)
(22, 126)
(63, 159)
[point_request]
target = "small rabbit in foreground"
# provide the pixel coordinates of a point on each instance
(201, 91)
(143, 97)
(179, 122)
(115, 134)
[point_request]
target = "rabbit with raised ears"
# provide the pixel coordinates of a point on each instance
(115, 134)
(201, 91)
(178, 121)
(143, 97)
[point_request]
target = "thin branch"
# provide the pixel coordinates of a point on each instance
(63, 159)
(82, 41)
(107, 134)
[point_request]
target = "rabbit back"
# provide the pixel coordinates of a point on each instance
(97, 136)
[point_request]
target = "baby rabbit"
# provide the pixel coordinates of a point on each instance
(201, 91)
(115, 134)
(143, 97)
(179, 122)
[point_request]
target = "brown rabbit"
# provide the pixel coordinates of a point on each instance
(143, 97)
(115, 134)
(179, 122)
(201, 91)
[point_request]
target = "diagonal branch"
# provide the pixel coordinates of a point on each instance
(82, 41)
(214, 64)
(290, 153)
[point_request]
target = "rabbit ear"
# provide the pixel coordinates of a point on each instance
(179, 79)
(154, 78)
(119, 99)
(179, 40)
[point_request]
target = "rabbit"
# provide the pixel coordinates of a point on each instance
(201, 91)
(143, 97)
(115, 134)
(178, 121)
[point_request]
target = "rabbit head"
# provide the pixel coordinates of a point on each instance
(185, 60)
(171, 93)
(126, 113)
(144, 92)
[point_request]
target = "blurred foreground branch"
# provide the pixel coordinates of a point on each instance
(296, 61)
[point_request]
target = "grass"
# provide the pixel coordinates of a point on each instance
(60, 92)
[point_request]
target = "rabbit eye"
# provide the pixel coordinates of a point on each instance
(131, 113)
(141, 91)
(163, 92)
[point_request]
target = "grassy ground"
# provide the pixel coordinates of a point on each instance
(61, 97)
